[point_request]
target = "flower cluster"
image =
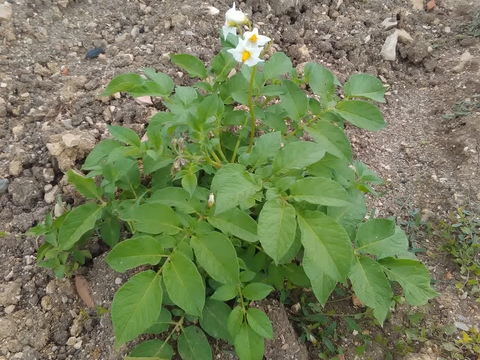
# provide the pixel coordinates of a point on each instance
(250, 45)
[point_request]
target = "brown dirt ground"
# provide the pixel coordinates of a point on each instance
(429, 163)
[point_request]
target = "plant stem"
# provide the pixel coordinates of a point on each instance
(250, 106)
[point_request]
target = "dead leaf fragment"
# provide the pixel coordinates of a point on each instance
(356, 301)
(82, 289)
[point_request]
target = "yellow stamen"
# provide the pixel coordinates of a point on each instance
(253, 38)
(245, 56)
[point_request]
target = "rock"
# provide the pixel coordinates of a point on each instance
(48, 175)
(7, 327)
(71, 140)
(464, 59)
(5, 12)
(144, 100)
(10, 293)
(25, 192)
(70, 147)
(389, 23)
(417, 4)
(431, 5)
(282, 7)
(4, 185)
(15, 168)
(404, 37)
(417, 51)
(93, 53)
(18, 131)
(9, 309)
(389, 48)
(50, 196)
(3, 108)
(46, 303)
(211, 10)
(72, 341)
(77, 326)
(62, 3)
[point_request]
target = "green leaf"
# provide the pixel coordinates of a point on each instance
(189, 183)
(296, 156)
(222, 64)
(161, 324)
(275, 117)
(328, 253)
(371, 286)
(225, 292)
(350, 216)
(332, 138)
(176, 197)
(110, 231)
(320, 191)
(366, 86)
(215, 318)
(233, 185)
(294, 100)
(413, 276)
(85, 186)
(235, 320)
(128, 175)
(135, 252)
(256, 291)
(152, 162)
(124, 134)
(266, 146)
(99, 152)
(248, 344)
(164, 82)
(192, 344)
(153, 218)
(210, 107)
(193, 65)
(78, 222)
(321, 80)
(279, 64)
(152, 350)
(380, 237)
(123, 83)
(260, 323)
(136, 305)
(271, 90)
(184, 284)
(362, 114)
(276, 228)
(216, 254)
(237, 223)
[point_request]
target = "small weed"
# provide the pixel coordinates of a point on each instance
(462, 234)
(464, 107)
(473, 29)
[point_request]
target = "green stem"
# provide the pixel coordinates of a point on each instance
(237, 145)
(220, 151)
(252, 112)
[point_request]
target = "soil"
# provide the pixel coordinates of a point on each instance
(51, 116)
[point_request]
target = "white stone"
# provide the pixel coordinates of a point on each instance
(389, 23)
(5, 12)
(417, 4)
(464, 59)
(404, 37)
(389, 48)
(71, 341)
(71, 140)
(9, 309)
(15, 167)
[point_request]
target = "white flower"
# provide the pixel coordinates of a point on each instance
(227, 29)
(254, 39)
(246, 53)
(235, 17)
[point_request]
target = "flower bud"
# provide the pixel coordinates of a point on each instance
(211, 200)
